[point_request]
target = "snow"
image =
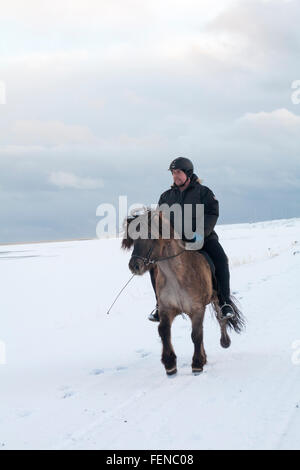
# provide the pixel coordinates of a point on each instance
(73, 377)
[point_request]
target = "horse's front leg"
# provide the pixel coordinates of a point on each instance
(199, 358)
(168, 357)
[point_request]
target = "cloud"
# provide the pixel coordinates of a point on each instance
(109, 14)
(268, 30)
(64, 180)
(279, 120)
(121, 93)
(35, 132)
(116, 31)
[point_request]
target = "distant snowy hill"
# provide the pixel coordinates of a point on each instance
(77, 378)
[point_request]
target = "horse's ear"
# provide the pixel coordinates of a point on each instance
(127, 241)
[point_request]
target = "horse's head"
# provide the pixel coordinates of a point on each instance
(145, 233)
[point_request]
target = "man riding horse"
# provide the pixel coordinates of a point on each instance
(187, 189)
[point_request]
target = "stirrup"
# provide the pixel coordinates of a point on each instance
(228, 314)
(154, 316)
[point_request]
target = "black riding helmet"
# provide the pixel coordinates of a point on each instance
(183, 164)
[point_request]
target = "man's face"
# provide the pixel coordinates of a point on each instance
(179, 177)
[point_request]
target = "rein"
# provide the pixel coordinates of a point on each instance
(119, 294)
(146, 261)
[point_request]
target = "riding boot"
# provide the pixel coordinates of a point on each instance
(225, 305)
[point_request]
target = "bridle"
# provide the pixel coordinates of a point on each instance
(148, 261)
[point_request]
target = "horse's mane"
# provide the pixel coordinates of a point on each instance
(152, 214)
(127, 241)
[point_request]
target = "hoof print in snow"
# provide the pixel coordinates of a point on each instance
(120, 368)
(145, 354)
(97, 372)
(68, 395)
(142, 353)
(24, 414)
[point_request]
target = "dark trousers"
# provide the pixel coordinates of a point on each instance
(220, 260)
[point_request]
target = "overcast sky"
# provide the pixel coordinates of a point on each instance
(100, 96)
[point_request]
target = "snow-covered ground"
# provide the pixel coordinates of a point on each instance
(77, 378)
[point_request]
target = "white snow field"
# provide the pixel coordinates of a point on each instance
(73, 377)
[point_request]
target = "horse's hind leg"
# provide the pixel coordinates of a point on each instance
(168, 357)
(199, 358)
(225, 339)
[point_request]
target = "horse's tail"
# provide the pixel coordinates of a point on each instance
(237, 323)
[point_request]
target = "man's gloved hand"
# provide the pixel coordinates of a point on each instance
(196, 243)
(197, 237)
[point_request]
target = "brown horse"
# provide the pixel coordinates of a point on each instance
(184, 283)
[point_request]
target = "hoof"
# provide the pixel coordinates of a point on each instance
(171, 371)
(225, 343)
(197, 371)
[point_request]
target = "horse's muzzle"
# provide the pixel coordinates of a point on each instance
(136, 266)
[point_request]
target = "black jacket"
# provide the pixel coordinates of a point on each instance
(194, 194)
